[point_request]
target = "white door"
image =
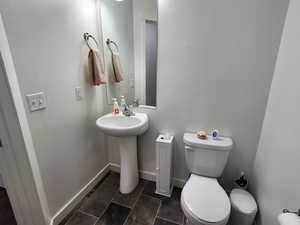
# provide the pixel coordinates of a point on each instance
(18, 161)
(5, 171)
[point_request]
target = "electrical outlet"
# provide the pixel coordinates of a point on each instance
(78, 93)
(36, 101)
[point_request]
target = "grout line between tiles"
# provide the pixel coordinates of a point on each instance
(87, 214)
(134, 204)
(105, 209)
(110, 201)
(139, 195)
(68, 221)
(168, 220)
(152, 197)
(96, 221)
(120, 204)
(156, 215)
(129, 214)
(157, 211)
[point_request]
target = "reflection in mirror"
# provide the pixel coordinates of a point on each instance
(130, 31)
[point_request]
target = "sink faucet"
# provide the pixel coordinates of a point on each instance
(136, 102)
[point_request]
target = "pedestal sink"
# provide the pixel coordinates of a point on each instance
(126, 129)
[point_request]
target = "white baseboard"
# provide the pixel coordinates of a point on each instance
(71, 204)
(114, 167)
(147, 175)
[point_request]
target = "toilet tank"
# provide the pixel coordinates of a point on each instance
(206, 157)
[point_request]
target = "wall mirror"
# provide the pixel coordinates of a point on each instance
(130, 33)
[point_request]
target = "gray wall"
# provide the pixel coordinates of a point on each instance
(276, 169)
(216, 61)
(50, 55)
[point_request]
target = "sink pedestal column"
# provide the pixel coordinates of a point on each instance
(129, 168)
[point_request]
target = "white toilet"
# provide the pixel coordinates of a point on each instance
(203, 200)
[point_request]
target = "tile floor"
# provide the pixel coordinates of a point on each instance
(6, 213)
(105, 205)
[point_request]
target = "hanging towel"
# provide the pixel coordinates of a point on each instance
(117, 68)
(96, 68)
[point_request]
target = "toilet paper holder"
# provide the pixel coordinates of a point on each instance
(288, 211)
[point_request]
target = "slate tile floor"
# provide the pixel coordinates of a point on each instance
(105, 205)
(6, 213)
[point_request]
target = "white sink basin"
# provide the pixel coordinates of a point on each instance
(120, 126)
(126, 129)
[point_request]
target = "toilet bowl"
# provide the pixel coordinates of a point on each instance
(203, 200)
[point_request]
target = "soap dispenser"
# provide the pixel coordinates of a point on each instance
(123, 103)
(116, 109)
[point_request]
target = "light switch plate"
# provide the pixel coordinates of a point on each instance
(78, 93)
(36, 101)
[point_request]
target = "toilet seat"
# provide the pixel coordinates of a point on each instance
(204, 201)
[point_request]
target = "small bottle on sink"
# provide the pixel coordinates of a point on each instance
(116, 109)
(123, 103)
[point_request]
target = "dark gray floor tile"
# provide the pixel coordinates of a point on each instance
(130, 199)
(159, 221)
(114, 215)
(79, 218)
(113, 179)
(65, 220)
(144, 211)
(150, 188)
(67, 217)
(185, 221)
(7, 216)
(171, 209)
(96, 202)
(134, 222)
(3, 192)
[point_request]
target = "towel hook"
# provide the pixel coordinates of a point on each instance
(108, 42)
(86, 37)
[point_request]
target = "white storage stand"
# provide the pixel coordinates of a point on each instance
(164, 156)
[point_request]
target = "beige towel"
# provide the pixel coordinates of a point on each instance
(117, 68)
(96, 68)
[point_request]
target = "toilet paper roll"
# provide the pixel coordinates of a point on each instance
(288, 219)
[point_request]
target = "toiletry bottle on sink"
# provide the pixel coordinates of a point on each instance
(116, 109)
(123, 103)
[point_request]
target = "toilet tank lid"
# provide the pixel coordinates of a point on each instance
(222, 143)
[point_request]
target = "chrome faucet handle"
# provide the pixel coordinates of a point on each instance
(136, 102)
(130, 108)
